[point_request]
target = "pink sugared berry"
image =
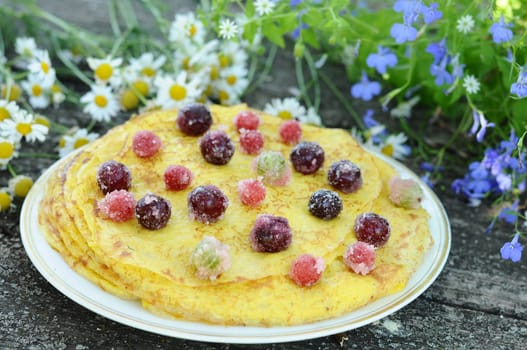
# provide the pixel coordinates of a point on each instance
(270, 234)
(251, 192)
(360, 257)
(177, 177)
(247, 120)
(306, 270)
(251, 141)
(118, 206)
(290, 132)
(372, 228)
(146, 144)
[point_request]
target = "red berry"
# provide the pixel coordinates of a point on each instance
(360, 257)
(194, 119)
(177, 177)
(247, 120)
(216, 147)
(251, 192)
(306, 270)
(118, 206)
(153, 211)
(270, 234)
(113, 176)
(290, 132)
(251, 141)
(207, 204)
(345, 176)
(372, 228)
(307, 157)
(145, 143)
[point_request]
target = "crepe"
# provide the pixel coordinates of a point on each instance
(153, 266)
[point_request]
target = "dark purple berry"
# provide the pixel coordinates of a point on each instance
(113, 176)
(153, 211)
(270, 234)
(194, 119)
(325, 204)
(372, 228)
(307, 157)
(216, 147)
(345, 176)
(207, 204)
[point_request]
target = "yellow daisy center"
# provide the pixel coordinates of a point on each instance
(45, 67)
(387, 150)
(214, 72)
(104, 71)
(24, 128)
(55, 89)
(4, 114)
(6, 150)
(5, 201)
(186, 63)
(223, 95)
(148, 71)
(80, 142)
(285, 115)
(62, 142)
(129, 99)
(178, 92)
(192, 30)
(225, 61)
(36, 90)
(101, 101)
(231, 79)
(141, 87)
(23, 186)
(14, 93)
(41, 120)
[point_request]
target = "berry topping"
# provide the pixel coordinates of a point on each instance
(270, 234)
(113, 176)
(360, 257)
(194, 119)
(290, 132)
(345, 176)
(273, 168)
(145, 143)
(405, 193)
(251, 192)
(118, 206)
(153, 211)
(251, 141)
(177, 177)
(207, 204)
(307, 157)
(325, 204)
(216, 147)
(306, 270)
(247, 120)
(372, 228)
(210, 258)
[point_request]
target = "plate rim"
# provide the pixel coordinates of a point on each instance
(197, 331)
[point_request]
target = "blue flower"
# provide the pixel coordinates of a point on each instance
(426, 179)
(457, 68)
(410, 9)
(431, 13)
(509, 214)
(365, 89)
(382, 59)
(294, 3)
(480, 123)
(296, 33)
(369, 122)
(403, 32)
(438, 50)
(519, 88)
(500, 31)
(512, 250)
(442, 75)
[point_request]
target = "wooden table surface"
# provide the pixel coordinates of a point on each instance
(478, 302)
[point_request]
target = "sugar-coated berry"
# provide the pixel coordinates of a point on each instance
(273, 168)
(306, 270)
(251, 192)
(113, 176)
(270, 234)
(325, 204)
(405, 193)
(146, 144)
(153, 212)
(251, 141)
(307, 157)
(372, 228)
(290, 131)
(345, 176)
(207, 204)
(210, 258)
(247, 120)
(118, 206)
(360, 257)
(194, 119)
(177, 177)
(216, 147)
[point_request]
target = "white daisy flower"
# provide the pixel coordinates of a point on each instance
(226, 95)
(10, 90)
(176, 93)
(6, 199)
(100, 102)
(8, 109)
(186, 27)
(404, 109)
(465, 24)
(147, 65)
(236, 78)
(312, 117)
(79, 138)
(232, 54)
(20, 185)
(228, 29)
(287, 108)
(106, 70)
(38, 96)
(471, 84)
(25, 47)
(23, 125)
(57, 96)
(72, 55)
(40, 65)
(263, 7)
(394, 146)
(8, 151)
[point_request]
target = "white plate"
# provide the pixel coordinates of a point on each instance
(50, 264)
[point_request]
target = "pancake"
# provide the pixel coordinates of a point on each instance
(153, 266)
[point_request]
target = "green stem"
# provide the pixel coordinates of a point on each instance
(11, 169)
(314, 77)
(114, 22)
(265, 72)
(301, 83)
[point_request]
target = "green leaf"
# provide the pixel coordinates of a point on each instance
(272, 32)
(249, 9)
(249, 31)
(309, 36)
